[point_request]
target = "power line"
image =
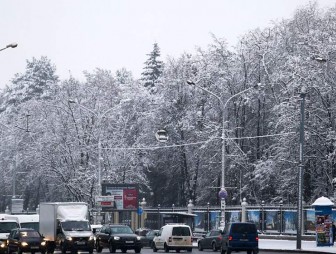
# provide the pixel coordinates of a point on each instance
(192, 143)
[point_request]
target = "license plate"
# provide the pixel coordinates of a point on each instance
(244, 240)
(129, 241)
(34, 247)
(80, 243)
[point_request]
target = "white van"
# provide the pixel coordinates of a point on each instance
(25, 220)
(173, 237)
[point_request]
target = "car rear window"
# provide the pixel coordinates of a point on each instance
(181, 231)
(243, 228)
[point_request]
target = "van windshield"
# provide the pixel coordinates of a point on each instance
(75, 226)
(243, 228)
(181, 231)
(6, 227)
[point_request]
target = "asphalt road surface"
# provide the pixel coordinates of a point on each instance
(196, 251)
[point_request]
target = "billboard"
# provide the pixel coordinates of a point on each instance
(125, 196)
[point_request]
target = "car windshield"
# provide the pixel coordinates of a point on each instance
(181, 231)
(121, 230)
(75, 226)
(6, 227)
(33, 225)
(243, 228)
(29, 234)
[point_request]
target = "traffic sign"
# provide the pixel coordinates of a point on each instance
(223, 204)
(140, 211)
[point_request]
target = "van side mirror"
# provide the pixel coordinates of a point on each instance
(94, 230)
(157, 234)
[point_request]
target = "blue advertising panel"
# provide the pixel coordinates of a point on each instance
(323, 225)
(289, 221)
(254, 217)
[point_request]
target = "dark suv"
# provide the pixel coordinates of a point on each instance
(114, 236)
(212, 240)
(25, 240)
(240, 236)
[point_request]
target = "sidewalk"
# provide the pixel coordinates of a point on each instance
(269, 244)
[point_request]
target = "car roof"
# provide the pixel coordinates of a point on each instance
(116, 225)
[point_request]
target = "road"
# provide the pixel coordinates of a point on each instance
(196, 251)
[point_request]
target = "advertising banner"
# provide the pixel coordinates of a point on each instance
(125, 196)
(323, 225)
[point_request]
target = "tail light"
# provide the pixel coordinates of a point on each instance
(230, 238)
(170, 239)
(257, 238)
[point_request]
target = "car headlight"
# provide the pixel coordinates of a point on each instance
(138, 238)
(91, 238)
(24, 244)
(69, 238)
(43, 243)
(116, 238)
(2, 244)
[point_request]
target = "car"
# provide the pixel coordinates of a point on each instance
(173, 236)
(25, 240)
(212, 240)
(117, 236)
(147, 240)
(142, 233)
(240, 236)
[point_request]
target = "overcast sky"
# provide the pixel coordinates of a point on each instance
(78, 35)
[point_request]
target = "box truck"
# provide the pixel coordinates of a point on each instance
(65, 226)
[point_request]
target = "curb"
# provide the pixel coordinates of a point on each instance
(294, 251)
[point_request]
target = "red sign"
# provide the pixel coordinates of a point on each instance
(130, 199)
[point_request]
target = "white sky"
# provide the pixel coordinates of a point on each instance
(78, 35)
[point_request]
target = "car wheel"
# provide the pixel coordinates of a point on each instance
(19, 251)
(214, 248)
(200, 248)
(178, 251)
(90, 251)
(189, 250)
(223, 251)
(99, 249)
(166, 248)
(137, 250)
(154, 247)
(229, 251)
(123, 250)
(255, 252)
(63, 249)
(112, 249)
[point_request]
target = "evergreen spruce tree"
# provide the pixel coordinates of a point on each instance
(153, 69)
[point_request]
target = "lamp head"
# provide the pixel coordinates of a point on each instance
(190, 82)
(12, 45)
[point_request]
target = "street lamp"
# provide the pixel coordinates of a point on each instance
(99, 117)
(12, 45)
(280, 217)
(223, 193)
(262, 216)
(159, 217)
(208, 215)
(300, 173)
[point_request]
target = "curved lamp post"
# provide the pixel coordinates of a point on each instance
(223, 193)
(12, 45)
